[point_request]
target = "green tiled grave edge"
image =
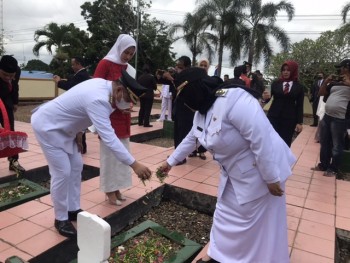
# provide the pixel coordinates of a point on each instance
(38, 192)
(14, 259)
(168, 129)
(189, 247)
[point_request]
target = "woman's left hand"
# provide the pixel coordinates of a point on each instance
(275, 189)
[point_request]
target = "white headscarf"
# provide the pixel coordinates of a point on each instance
(123, 42)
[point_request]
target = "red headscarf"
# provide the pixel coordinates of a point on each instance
(293, 68)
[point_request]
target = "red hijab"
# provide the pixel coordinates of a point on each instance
(293, 68)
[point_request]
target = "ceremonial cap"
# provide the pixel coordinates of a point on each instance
(8, 64)
(134, 89)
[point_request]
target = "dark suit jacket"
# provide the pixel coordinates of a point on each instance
(315, 88)
(148, 81)
(78, 77)
(287, 106)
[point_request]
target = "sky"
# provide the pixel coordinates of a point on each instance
(20, 19)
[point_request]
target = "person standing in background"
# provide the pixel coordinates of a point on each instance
(226, 78)
(315, 98)
(204, 64)
(287, 108)
(148, 81)
(115, 175)
(166, 96)
(80, 75)
(9, 94)
(335, 121)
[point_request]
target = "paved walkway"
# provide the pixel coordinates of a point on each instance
(316, 204)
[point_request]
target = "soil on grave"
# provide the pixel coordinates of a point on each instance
(190, 223)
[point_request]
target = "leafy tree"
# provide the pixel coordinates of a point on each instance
(36, 64)
(155, 45)
(260, 20)
(107, 19)
(195, 36)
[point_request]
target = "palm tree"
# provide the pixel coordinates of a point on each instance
(223, 18)
(345, 11)
(194, 36)
(260, 19)
(62, 37)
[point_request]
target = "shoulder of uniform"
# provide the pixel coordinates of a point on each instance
(221, 92)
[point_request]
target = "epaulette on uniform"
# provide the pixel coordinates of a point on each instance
(221, 92)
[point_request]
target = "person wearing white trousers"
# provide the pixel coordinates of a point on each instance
(166, 97)
(57, 126)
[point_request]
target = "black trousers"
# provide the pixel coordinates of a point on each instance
(284, 127)
(145, 111)
(314, 110)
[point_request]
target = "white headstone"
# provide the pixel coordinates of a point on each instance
(94, 239)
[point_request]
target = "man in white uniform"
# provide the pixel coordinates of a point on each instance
(58, 126)
(250, 221)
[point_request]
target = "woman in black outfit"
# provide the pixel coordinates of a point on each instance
(287, 108)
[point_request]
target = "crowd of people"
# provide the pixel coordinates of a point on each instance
(209, 115)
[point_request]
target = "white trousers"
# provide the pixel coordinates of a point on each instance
(65, 171)
(166, 105)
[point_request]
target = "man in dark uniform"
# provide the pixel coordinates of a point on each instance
(315, 98)
(9, 78)
(146, 101)
(80, 75)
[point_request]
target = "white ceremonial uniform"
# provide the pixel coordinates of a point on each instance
(56, 124)
(166, 103)
(250, 224)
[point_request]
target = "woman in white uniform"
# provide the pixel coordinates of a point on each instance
(56, 125)
(249, 224)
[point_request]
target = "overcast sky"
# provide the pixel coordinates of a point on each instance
(22, 17)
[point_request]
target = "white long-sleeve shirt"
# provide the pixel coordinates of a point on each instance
(58, 121)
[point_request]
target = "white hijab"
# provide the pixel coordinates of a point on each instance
(123, 42)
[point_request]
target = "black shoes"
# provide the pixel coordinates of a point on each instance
(16, 167)
(148, 125)
(319, 167)
(65, 228)
(72, 215)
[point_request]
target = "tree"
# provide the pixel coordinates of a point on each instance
(345, 11)
(64, 38)
(155, 45)
(67, 40)
(195, 36)
(223, 18)
(107, 19)
(260, 19)
(36, 64)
